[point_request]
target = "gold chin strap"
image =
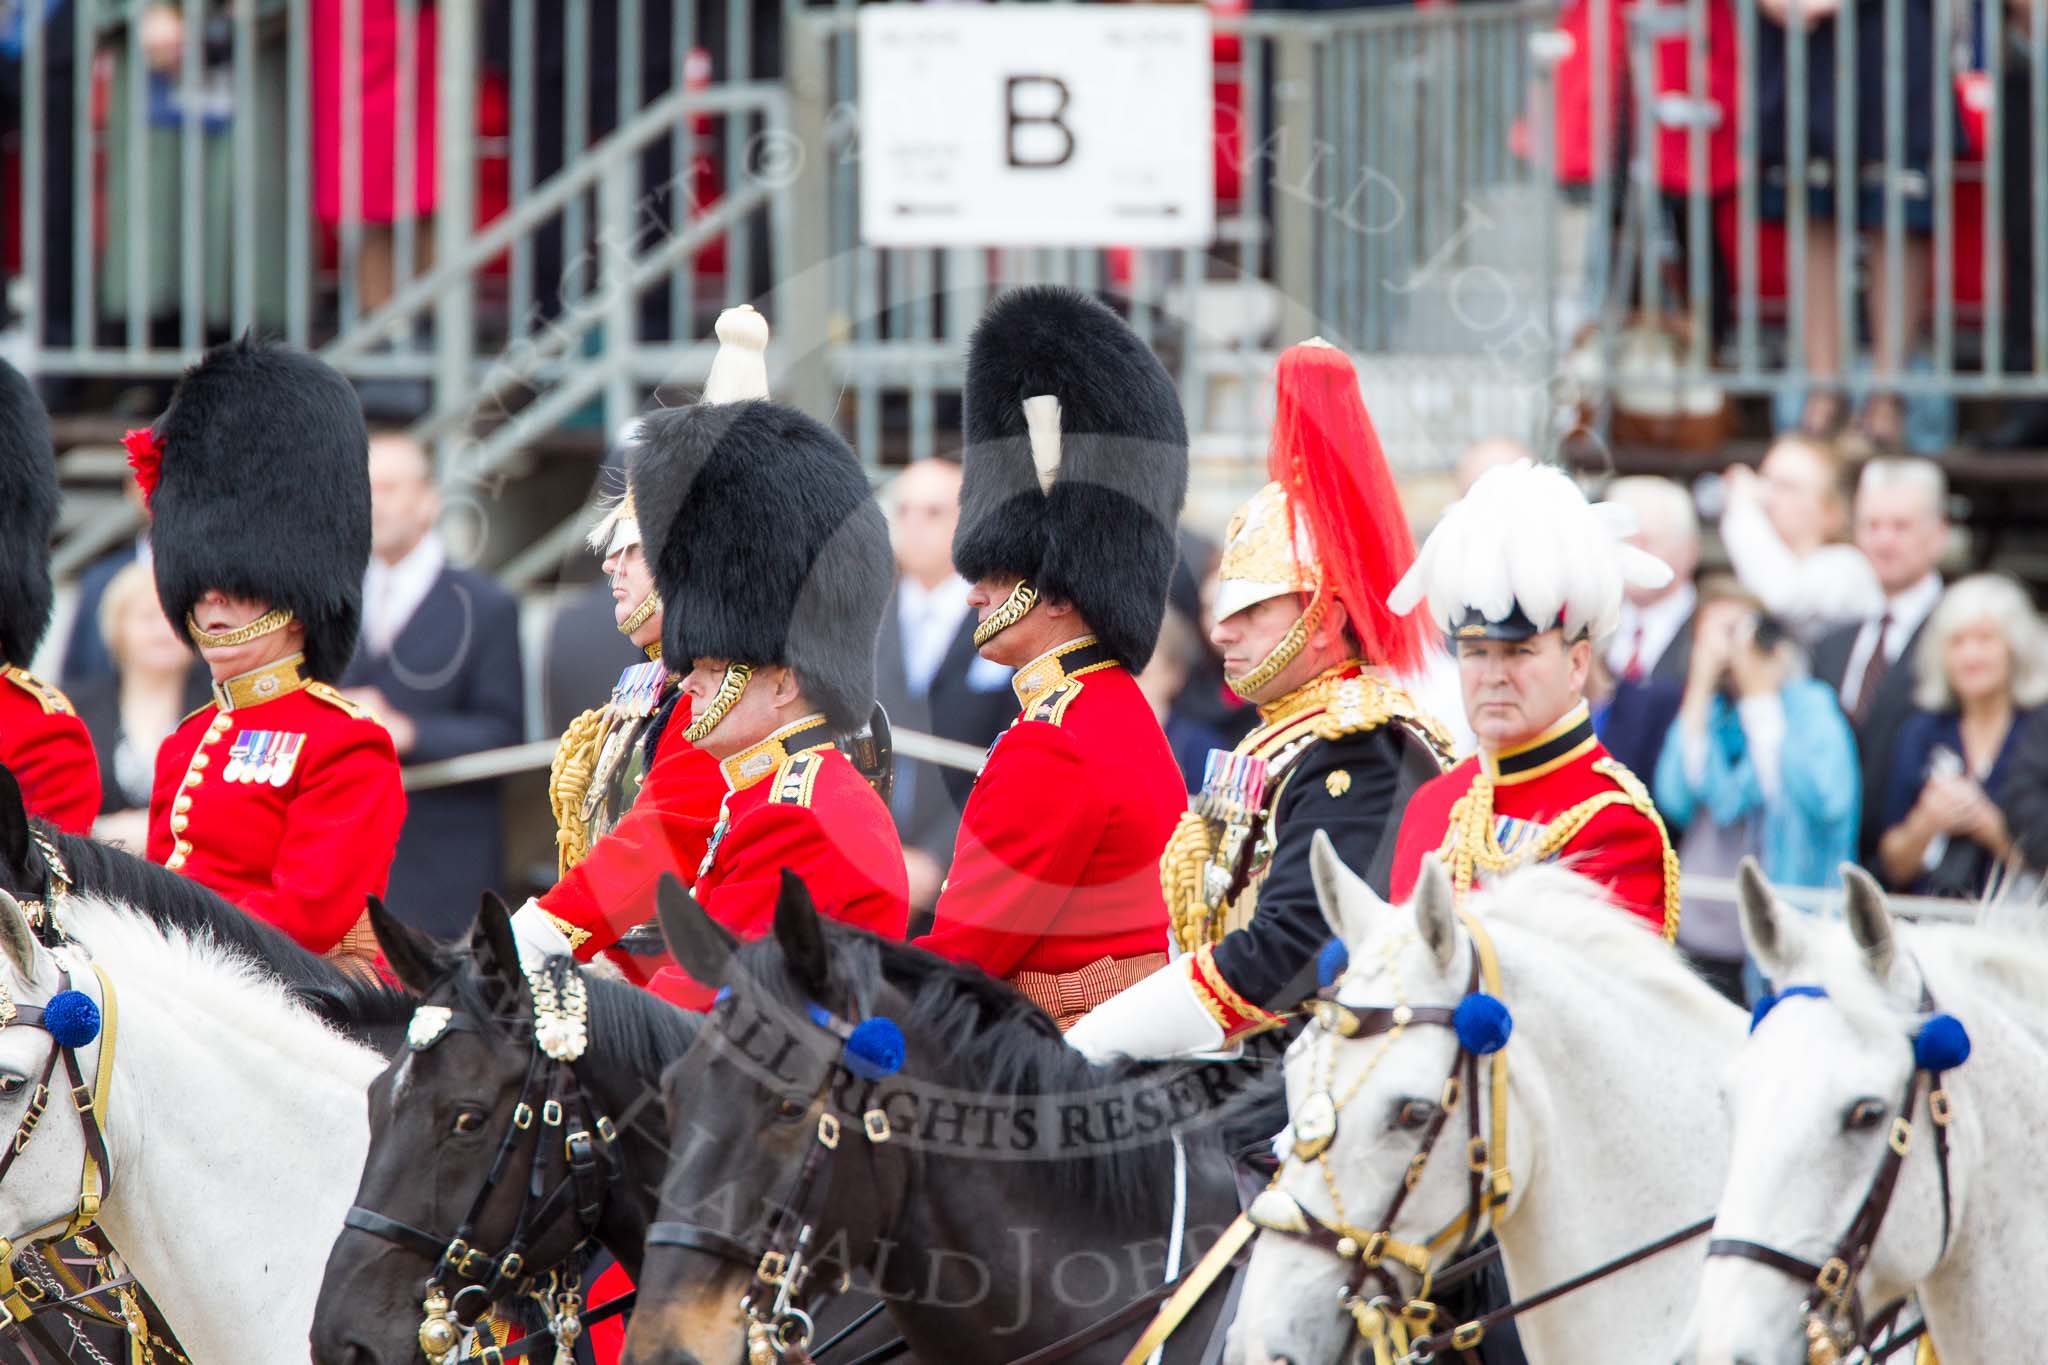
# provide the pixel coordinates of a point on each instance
(737, 676)
(641, 614)
(277, 618)
(1015, 608)
(1286, 652)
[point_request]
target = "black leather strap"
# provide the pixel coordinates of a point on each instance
(1763, 1255)
(695, 1237)
(391, 1230)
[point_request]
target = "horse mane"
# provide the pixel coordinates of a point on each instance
(1558, 906)
(178, 904)
(997, 1044)
(204, 971)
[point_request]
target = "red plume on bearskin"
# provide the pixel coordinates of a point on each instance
(1327, 457)
(145, 457)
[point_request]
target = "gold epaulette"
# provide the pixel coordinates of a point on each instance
(326, 692)
(1181, 865)
(1638, 795)
(1051, 705)
(1367, 703)
(568, 781)
(53, 702)
(796, 781)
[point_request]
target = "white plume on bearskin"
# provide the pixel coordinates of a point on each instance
(1526, 536)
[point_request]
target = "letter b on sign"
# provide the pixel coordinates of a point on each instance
(1036, 136)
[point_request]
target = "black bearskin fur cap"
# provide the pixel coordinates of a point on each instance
(767, 546)
(28, 516)
(1104, 537)
(265, 493)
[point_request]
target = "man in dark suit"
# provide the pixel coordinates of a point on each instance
(1651, 649)
(929, 675)
(439, 665)
(1901, 525)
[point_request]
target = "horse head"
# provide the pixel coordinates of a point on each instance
(1378, 1093)
(50, 1045)
(1835, 1084)
(457, 1126)
(794, 1051)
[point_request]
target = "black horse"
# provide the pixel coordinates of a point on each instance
(363, 1010)
(445, 1158)
(1000, 1192)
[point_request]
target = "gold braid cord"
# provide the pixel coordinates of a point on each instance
(1180, 876)
(1470, 848)
(568, 782)
(277, 618)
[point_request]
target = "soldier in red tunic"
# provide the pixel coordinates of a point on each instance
(42, 740)
(1075, 472)
(280, 794)
(773, 564)
(632, 797)
(1526, 576)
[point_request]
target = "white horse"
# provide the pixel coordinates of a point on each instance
(1812, 1099)
(235, 1126)
(1613, 1114)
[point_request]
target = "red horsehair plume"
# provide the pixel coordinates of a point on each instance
(145, 457)
(1327, 457)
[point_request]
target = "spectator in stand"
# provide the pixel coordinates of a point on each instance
(153, 681)
(929, 675)
(2023, 797)
(1730, 776)
(1902, 530)
(438, 664)
(1164, 681)
(1783, 528)
(1877, 97)
(1980, 668)
(86, 657)
(1650, 650)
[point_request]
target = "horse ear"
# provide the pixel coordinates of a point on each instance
(800, 936)
(702, 945)
(1436, 907)
(414, 959)
(1870, 922)
(492, 944)
(16, 938)
(1771, 936)
(1351, 908)
(13, 821)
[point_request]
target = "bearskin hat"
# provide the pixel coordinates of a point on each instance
(1089, 509)
(767, 546)
(261, 489)
(28, 516)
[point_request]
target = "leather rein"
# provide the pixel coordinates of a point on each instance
(554, 1110)
(1834, 1320)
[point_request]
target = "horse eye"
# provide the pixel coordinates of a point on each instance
(1864, 1114)
(470, 1121)
(787, 1108)
(1415, 1113)
(10, 1086)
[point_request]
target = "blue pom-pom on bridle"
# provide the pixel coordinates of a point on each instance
(1331, 963)
(874, 1050)
(1482, 1023)
(1942, 1044)
(71, 1018)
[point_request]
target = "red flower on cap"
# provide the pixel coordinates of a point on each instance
(145, 457)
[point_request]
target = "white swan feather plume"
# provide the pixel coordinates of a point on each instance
(1525, 535)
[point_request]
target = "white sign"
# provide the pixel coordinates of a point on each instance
(1036, 125)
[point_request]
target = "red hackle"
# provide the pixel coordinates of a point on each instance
(1327, 457)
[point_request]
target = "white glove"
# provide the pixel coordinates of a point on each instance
(537, 935)
(1158, 1017)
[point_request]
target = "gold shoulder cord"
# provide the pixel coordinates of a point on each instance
(568, 782)
(1470, 847)
(1188, 851)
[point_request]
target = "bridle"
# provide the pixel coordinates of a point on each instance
(779, 1302)
(57, 884)
(1833, 1316)
(83, 1023)
(553, 1107)
(1383, 1318)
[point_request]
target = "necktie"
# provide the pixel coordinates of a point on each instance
(1873, 672)
(1633, 672)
